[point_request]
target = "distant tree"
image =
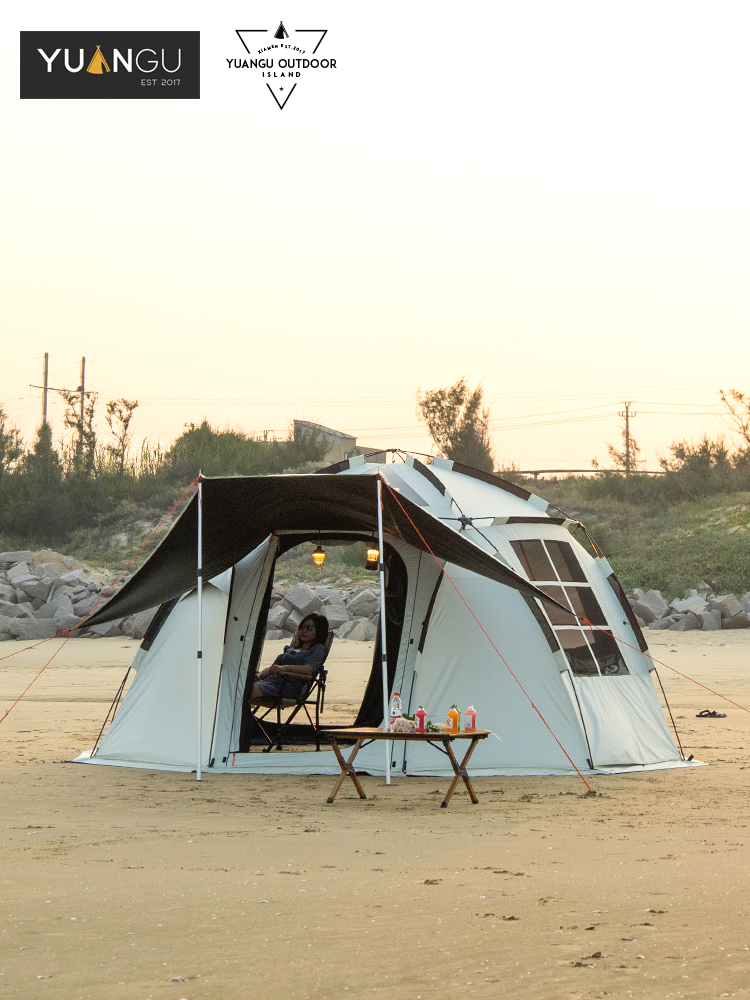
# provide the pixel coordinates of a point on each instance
(41, 466)
(707, 454)
(119, 418)
(737, 407)
(11, 444)
(619, 459)
(84, 440)
(458, 423)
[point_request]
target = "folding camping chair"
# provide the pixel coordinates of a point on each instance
(313, 693)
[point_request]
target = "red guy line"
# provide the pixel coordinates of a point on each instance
(663, 664)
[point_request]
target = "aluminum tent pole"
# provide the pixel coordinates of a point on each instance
(383, 650)
(200, 626)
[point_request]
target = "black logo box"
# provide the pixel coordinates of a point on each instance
(132, 75)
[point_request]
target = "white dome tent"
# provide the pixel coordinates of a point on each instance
(474, 566)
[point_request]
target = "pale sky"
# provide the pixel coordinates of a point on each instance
(547, 197)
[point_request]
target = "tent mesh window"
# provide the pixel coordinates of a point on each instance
(554, 567)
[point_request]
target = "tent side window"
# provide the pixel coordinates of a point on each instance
(590, 653)
(578, 651)
(608, 654)
(534, 559)
(565, 562)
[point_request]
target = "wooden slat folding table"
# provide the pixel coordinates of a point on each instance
(362, 736)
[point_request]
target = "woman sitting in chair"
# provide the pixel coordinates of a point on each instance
(292, 669)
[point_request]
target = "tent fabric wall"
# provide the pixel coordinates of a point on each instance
(624, 722)
(449, 673)
(157, 720)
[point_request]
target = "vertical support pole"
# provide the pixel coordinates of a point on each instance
(200, 627)
(45, 384)
(83, 395)
(383, 649)
(627, 439)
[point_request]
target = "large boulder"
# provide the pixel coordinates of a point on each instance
(302, 599)
(8, 559)
(19, 572)
(108, 630)
(23, 610)
(5, 623)
(62, 604)
(330, 596)
(687, 623)
(68, 623)
(46, 611)
(83, 607)
(32, 628)
(141, 623)
(711, 621)
(745, 601)
(691, 598)
(363, 604)
(358, 631)
(737, 621)
(651, 606)
(74, 578)
(35, 590)
(293, 620)
(665, 623)
(7, 593)
(277, 617)
(728, 606)
(336, 614)
(45, 569)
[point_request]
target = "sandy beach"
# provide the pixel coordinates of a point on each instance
(121, 883)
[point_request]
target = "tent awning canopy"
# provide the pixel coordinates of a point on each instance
(240, 512)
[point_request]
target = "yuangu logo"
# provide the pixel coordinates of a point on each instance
(110, 64)
(281, 57)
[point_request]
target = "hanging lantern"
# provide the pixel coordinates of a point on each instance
(319, 556)
(373, 555)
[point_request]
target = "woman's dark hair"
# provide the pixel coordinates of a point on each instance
(321, 628)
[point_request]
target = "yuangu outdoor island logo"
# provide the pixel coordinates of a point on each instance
(281, 57)
(88, 65)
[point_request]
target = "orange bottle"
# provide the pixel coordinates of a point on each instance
(470, 719)
(454, 719)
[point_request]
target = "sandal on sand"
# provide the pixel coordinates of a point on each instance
(705, 714)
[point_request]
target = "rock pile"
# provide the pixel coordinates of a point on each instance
(353, 613)
(43, 594)
(697, 610)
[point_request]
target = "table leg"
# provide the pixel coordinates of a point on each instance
(346, 769)
(460, 772)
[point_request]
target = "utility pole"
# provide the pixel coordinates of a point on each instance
(626, 415)
(82, 390)
(45, 381)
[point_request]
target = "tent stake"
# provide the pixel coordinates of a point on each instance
(383, 651)
(200, 624)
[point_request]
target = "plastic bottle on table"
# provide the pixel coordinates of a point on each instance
(421, 716)
(395, 707)
(454, 719)
(470, 719)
